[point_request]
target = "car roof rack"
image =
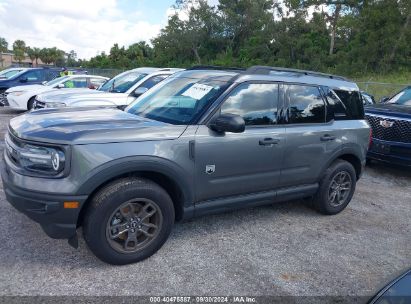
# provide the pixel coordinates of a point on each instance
(215, 67)
(265, 70)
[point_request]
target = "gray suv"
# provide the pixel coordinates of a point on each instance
(204, 140)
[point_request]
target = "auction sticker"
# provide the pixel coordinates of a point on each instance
(197, 91)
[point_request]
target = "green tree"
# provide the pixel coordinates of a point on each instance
(19, 49)
(3, 48)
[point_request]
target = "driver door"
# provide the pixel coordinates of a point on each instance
(234, 164)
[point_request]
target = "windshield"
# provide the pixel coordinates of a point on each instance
(7, 74)
(178, 101)
(402, 98)
(56, 81)
(121, 83)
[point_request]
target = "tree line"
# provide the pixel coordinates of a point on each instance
(351, 37)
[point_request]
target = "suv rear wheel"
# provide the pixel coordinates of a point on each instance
(336, 188)
(128, 221)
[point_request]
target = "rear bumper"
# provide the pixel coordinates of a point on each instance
(46, 209)
(391, 152)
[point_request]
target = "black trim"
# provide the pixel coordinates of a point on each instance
(44, 208)
(254, 199)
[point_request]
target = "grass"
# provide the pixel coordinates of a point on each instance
(383, 85)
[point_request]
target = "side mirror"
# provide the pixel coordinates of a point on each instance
(139, 91)
(228, 123)
(60, 86)
(384, 99)
(24, 79)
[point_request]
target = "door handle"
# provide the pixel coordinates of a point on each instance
(268, 141)
(327, 137)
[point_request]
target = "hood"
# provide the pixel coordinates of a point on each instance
(78, 94)
(86, 125)
(28, 88)
(59, 93)
(387, 109)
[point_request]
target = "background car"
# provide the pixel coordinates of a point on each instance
(118, 92)
(26, 77)
(7, 73)
(391, 127)
(22, 97)
(367, 99)
(397, 291)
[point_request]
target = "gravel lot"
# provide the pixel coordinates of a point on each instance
(284, 249)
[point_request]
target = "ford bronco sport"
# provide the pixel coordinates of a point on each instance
(204, 140)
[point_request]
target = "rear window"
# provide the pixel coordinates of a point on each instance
(345, 104)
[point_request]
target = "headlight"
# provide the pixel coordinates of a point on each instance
(55, 104)
(40, 159)
(17, 93)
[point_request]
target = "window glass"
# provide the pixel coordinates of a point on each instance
(352, 102)
(149, 83)
(402, 98)
(255, 102)
(305, 104)
(76, 83)
(96, 82)
(123, 82)
(33, 76)
(336, 106)
(178, 100)
(56, 81)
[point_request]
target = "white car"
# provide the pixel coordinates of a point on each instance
(22, 97)
(118, 92)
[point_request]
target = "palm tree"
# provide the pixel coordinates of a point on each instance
(3, 48)
(19, 48)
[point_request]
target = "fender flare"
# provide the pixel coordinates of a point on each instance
(345, 150)
(112, 169)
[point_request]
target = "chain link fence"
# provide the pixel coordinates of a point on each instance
(104, 72)
(381, 89)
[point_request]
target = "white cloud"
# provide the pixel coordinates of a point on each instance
(86, 26)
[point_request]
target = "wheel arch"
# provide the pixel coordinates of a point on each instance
(166, 174)
(350, 155)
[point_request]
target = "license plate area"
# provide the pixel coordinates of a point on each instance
(382, 148)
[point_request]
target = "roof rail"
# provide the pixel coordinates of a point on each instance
(265, 70)
(214, 67)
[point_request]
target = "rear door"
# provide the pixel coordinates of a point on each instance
(232, 164)
(312, 139)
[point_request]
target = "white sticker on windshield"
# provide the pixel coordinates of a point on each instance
(197, 91)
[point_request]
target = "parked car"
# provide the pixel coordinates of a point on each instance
(398, 291)
(391, 129)
(22, 97)
(27, 77)
(202, 141)
(367, 99)
(7, 73)
(119, 91)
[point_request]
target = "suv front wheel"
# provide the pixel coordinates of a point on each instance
(336, 188)
(128, 220)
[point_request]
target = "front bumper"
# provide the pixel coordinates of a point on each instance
(47, 209)
(392, 152)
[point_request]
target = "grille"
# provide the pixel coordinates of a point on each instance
(3, 99)
(400, 131)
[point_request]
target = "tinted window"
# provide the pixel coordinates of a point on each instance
(352, 102)
(403, 98)
(336, 106)
(255, 102)
(305, 104)
(33, 76)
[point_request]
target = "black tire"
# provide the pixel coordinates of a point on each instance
(98, 220)
(30, 103)
(322, 201)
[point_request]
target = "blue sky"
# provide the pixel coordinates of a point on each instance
(86, 26)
